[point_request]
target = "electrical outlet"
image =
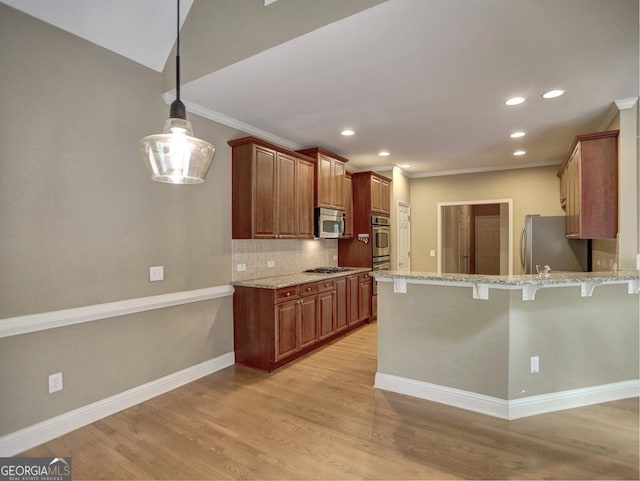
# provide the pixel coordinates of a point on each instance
(55, 382)
(271, 264)
(535, 364)
(156, 273)
(241, 267)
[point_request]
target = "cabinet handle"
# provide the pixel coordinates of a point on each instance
(288, 294)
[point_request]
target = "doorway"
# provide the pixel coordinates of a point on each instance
(404, 237)
(475, 237)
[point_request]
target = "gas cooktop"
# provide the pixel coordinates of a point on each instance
(327, 270)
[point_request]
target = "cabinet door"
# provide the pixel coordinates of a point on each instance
(364, 297)
(348, 205)
(304, 196)
(341, 303)
(308, 321)
(264, 193)
(326, 309)
(338, 184)
(353, 305)
(286, 329)
(286, 205)
(325, 184)
(385, 197)
(376, 195)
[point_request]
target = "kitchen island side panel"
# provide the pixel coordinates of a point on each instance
(441, 335)
(581, 342)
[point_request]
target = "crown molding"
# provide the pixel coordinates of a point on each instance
(234, 123)
(624, 104)
(480, 170)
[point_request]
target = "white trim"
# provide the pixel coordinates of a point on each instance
(627, 103)
(231, 122)
(439, 233)
(27, 438)
(512, 409)
(573, 398)
(479, 170)
(14, 326)
(470, 401)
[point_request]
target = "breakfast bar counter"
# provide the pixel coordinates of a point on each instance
(509, 346)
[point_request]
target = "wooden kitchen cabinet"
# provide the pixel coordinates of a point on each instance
(371, 196)
(329, 178)
(272, 191)
(380, 195)
(272, 327)
(341, 319)
(364, 296)
(287, 341)
(348, 204)
(589, 186)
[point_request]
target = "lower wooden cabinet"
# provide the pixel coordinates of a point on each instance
(274, 326)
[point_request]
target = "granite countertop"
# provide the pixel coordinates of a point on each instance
(288, 280)
(555, 278)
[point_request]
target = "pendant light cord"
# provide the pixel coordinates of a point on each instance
(178, 52)
(178, 111)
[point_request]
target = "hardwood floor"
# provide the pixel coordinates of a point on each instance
(320, 418)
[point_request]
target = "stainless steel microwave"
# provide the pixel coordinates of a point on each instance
(329, 223)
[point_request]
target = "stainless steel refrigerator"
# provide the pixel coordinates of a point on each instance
(543, 242)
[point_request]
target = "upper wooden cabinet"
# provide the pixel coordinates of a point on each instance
(589, 186)
(329, 178)
(380, 195)
(272, 191)
(348, 204)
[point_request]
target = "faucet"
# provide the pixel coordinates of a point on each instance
(543, 271)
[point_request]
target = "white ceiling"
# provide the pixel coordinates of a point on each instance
(424, 79)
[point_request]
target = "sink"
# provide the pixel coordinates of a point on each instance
(327, 270)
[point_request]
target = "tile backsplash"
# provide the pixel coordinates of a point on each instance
(288, 256)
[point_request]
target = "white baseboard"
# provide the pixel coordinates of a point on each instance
(27, 438)
(509, 409)
(442, 394)
(573, 398)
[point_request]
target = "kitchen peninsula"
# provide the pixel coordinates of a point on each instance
(509, 346)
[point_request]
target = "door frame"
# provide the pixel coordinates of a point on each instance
(397, 242)
(439, 235)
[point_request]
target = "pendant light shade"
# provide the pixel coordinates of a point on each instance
(175, 156)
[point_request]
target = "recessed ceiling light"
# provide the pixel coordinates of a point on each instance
(517, 135)
(519, 152)
(552, 94)
(515, 101)
(347, 132)
(384, 153)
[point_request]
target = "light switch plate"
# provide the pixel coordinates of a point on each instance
(55, 382)
(156, 273)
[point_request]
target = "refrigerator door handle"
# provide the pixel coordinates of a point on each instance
(522, 249)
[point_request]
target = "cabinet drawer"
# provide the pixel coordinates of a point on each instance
(309, 289)
(324, 286)
(286, 294)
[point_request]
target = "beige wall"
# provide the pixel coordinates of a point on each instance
(219, 33)
(441, 335)
(81, 224)
(534, 191)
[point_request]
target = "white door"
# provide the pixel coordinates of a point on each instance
(404, 237)
(488, 244)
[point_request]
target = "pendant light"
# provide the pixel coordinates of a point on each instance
(175, 156)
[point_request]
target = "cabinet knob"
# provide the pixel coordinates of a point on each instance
(288, 294)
